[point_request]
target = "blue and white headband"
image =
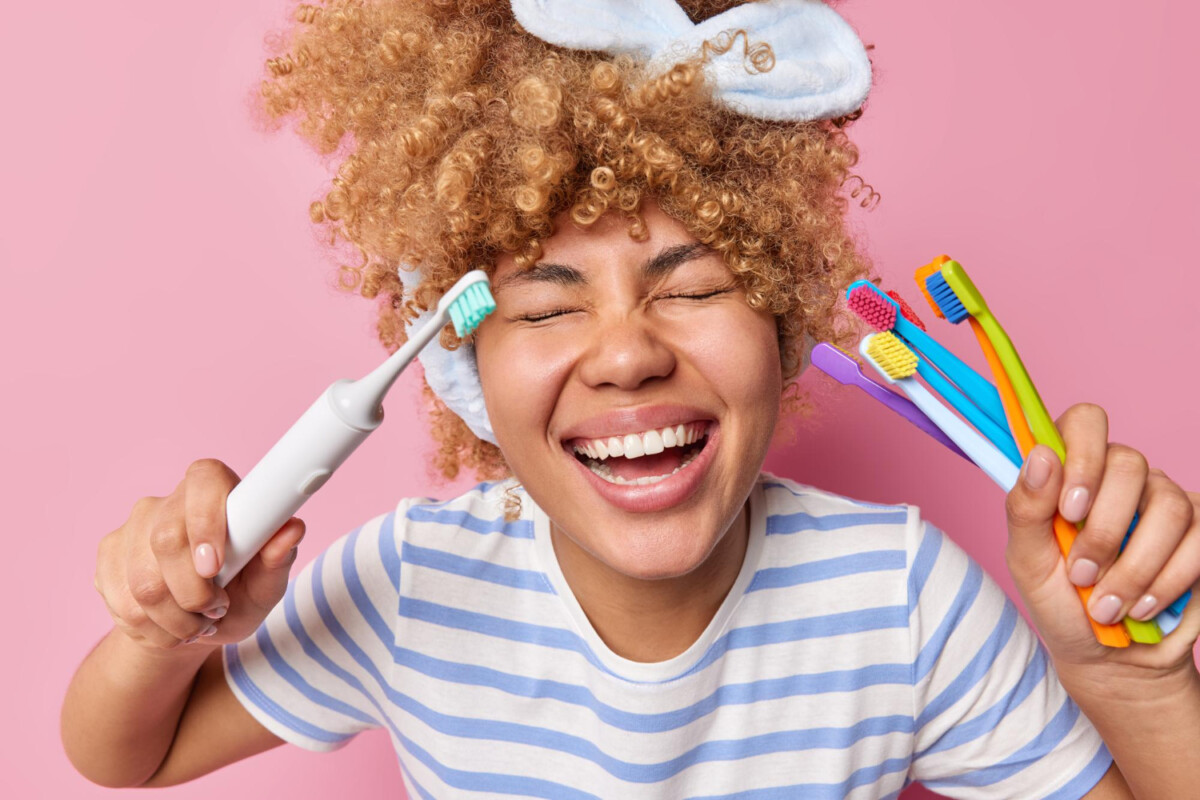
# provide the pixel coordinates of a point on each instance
(820, 71)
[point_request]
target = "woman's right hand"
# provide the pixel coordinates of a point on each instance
(156, 571)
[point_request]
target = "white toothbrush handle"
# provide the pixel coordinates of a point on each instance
(291, 471)
(989, 459)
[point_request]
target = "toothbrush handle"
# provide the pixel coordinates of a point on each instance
(996, 434)
(974, 385)
(291, 471)
(985, 455)
(907, 409)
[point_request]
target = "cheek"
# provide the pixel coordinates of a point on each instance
(740, 354)
(522, 377)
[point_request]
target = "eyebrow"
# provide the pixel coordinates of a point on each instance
(656, 268)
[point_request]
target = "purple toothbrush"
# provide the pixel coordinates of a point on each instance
(846, 370)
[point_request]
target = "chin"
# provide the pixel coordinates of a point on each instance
(656, 555)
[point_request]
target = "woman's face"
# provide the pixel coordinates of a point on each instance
(632, 390)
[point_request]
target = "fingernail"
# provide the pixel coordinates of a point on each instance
(1037, 472)
(209, 631)
(1084, 572)
(1144, 607)
(190, 641)
(1075, 506)
(216, 613)
(1106, 609)
(206, 560)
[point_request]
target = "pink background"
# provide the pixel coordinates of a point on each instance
(164, 297)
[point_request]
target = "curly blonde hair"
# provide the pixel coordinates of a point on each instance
(461, 136)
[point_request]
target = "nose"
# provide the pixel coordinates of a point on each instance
(626, 353)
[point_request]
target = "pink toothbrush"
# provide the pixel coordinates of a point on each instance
(844, 369)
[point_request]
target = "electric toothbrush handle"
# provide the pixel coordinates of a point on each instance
(291, 471)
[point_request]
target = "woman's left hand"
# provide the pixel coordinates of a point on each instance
(1104, 484)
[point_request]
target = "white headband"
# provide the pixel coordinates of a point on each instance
(820, 71)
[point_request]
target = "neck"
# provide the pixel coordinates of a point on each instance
(652, 620)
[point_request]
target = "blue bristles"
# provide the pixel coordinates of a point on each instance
(946, 299)
(469, 309)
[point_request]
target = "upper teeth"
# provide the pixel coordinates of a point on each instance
(635, 445)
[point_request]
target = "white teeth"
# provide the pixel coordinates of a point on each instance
(602, 469)
(633, 446)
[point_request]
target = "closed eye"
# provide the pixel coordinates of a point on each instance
(541, 316)
(696, 296)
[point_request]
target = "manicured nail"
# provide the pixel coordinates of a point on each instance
(209, 631)
(1144, 607)
(1084, 572)
(1106, 609)
(206, 560)
(1037, 472)
(216, 613)
(1075, 506)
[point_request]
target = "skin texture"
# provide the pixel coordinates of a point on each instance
(623, 342)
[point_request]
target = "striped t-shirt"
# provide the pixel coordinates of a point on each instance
(859, 650)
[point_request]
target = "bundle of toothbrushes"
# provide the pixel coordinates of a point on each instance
(1006, 418)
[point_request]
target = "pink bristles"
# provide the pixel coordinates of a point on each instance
(906, 310)
(875, 310)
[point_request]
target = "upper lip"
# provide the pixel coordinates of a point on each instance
(622, 421)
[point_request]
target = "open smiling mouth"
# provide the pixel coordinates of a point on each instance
(645, 458)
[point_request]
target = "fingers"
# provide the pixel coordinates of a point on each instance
(146, 570)
(208, 483)
(1124, 481)
(1084, 429)
(163, 582)
(171, 540)
(264, 580)
(1161, 560)
(1032, 552)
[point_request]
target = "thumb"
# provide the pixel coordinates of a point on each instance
(1033, 554)
(264, 579)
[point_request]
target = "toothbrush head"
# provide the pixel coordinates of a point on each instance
(943, 296)
(876, 308)
(955, 293)
(964, 288)
(920, 276)
(835, 362)
(906, 310)
(889, 355)
(468, 302)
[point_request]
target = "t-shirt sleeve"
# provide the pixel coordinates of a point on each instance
(315, 672)
(991, 718)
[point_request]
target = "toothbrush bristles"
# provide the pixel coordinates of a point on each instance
(952, 308)
(892, 356)
(470, 309)
(876, 311)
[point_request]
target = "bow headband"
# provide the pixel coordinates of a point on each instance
(820, 71)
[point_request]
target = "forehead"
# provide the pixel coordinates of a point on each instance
(574, 252)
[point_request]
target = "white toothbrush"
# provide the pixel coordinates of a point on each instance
(325, 435)
(897, 364)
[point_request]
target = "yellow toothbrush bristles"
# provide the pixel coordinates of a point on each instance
(892, 355)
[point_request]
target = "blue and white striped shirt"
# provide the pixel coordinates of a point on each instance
(859, 650)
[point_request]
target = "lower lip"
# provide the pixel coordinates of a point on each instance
(670, 491)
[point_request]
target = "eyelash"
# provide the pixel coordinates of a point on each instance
(545, 315)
